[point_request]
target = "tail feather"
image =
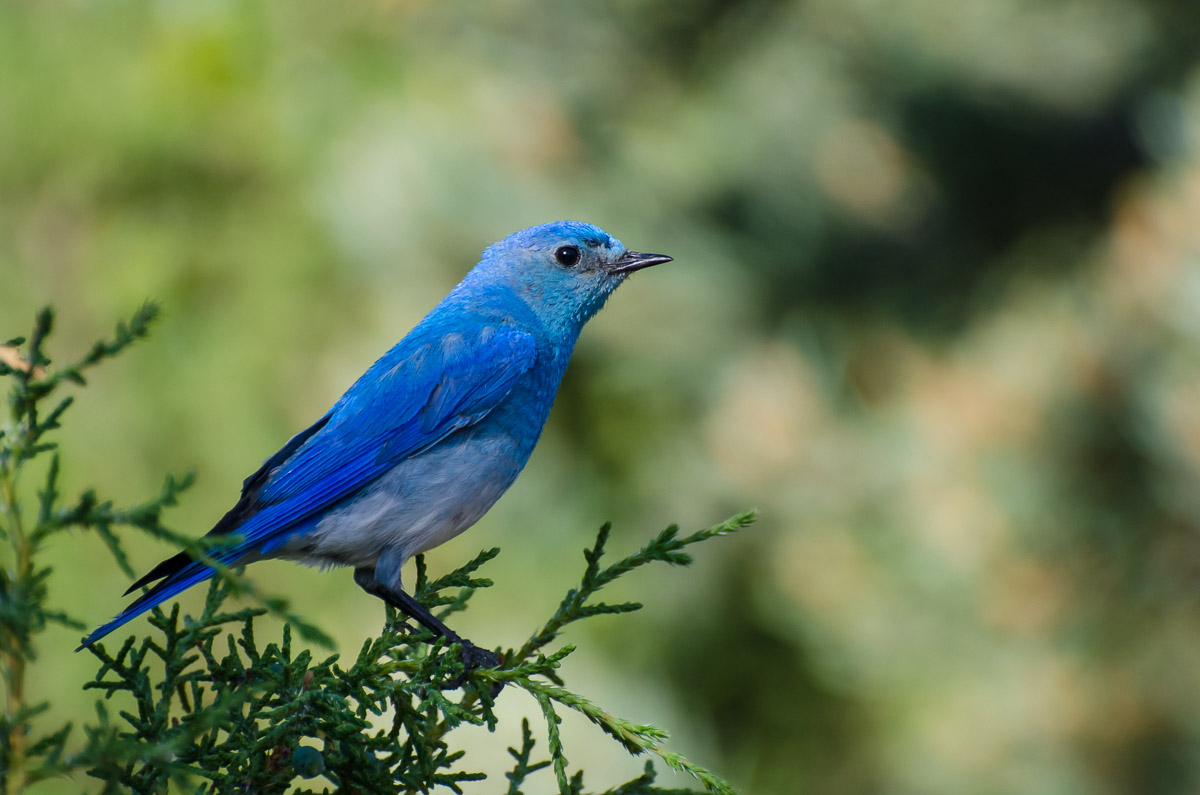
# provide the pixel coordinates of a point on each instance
(179, 572)
(166, 568)
(175, 583)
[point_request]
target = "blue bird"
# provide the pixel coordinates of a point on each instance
(425, 441)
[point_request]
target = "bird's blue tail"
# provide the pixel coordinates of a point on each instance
(187, 576)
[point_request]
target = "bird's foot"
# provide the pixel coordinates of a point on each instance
(474, 657)
(400, 626)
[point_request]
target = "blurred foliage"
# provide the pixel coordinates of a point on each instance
(935, 309)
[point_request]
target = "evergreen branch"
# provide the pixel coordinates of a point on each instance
(555, 740)
(125, 335)
(644, 785)
(637, 738)
(523, 767)
(663, 548)
(429, 593)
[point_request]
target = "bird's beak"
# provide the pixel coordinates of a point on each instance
(632, 261)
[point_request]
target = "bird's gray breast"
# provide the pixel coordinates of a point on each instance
(424, 500)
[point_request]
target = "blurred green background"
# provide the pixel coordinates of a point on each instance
(935, 311)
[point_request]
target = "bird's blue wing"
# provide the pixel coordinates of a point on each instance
(419, 393)
(408, 401)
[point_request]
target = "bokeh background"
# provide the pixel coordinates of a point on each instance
(935, 311)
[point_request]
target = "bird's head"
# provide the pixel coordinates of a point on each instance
(564, 271)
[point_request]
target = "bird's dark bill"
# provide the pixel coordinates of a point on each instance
(636, 260)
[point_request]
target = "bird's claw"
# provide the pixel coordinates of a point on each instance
(474, 657)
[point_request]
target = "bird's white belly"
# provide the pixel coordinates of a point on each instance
(421, 503)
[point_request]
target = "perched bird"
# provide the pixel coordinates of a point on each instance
(425, 441)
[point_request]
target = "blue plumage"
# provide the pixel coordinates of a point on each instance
(432, 434)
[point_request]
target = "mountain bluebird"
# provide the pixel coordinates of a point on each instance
(425, 442)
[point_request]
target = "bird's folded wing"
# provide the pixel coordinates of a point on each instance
(409, 400)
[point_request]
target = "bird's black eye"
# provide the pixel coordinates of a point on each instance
(567, 255)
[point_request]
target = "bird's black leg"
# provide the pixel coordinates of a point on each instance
(472, 656)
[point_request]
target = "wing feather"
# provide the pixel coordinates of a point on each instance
(412, 398)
